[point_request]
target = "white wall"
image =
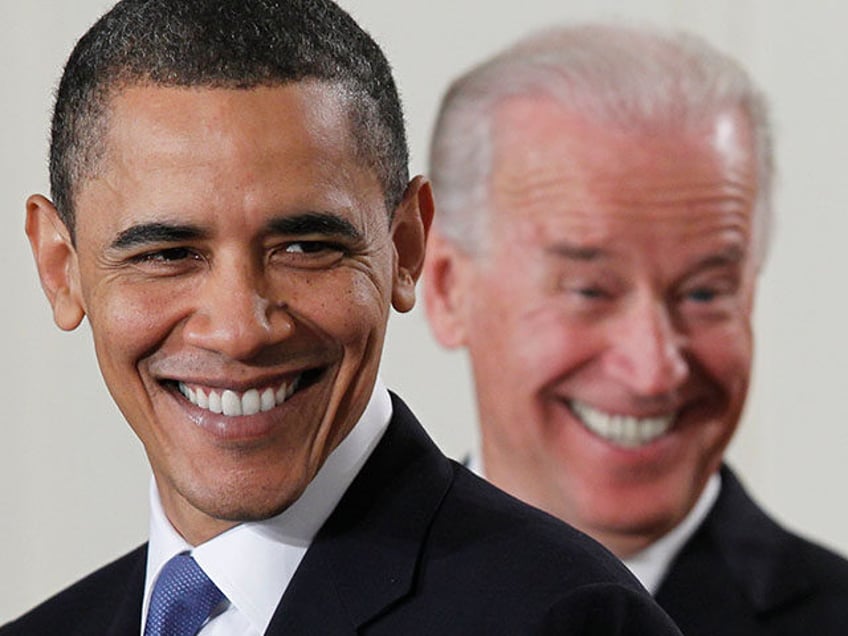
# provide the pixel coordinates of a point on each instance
(73, 479)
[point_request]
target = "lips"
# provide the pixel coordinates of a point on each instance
(234, 403)
(626, 431)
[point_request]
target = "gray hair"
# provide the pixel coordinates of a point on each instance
(620, 75)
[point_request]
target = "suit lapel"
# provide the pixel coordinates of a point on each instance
(760, 553)
(127, 616)
(740, 560)
(365, 556)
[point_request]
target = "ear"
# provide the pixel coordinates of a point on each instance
(56, 260)
(410, 227)
(447, 273)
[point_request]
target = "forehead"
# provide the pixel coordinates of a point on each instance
(151, 118)
(552, 167)
(242, 150)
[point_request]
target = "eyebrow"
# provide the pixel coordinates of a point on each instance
(577, 252)
(323, 223)
(730, 256)
(158, 232)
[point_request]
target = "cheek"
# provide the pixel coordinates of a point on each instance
(526, 349)
(558, 345)
(726, 354)
(128, 324)
(554, 345)
(349, 308)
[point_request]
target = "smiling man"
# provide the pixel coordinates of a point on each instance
(232, 214)
(604, 209)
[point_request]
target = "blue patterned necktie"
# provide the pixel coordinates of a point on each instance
(182, 600)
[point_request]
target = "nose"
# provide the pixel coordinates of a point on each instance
(233, 314)
(647, 350)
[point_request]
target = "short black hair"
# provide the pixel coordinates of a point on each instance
(238, 44)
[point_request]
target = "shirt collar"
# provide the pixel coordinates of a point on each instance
(651, 564)
(253, 563)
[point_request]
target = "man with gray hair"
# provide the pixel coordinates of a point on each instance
(603, 211)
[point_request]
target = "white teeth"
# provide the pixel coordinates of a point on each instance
(623, 430)
(250, 402)
(232, 403)
(285, 392)
(267, 401)
(215, 402)
(281, 394)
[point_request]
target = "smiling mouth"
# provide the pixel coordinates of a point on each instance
(626, 431)
(236, 403)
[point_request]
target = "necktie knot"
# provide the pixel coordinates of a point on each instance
(182, 600)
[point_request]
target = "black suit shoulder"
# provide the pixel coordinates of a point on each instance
(533, 545)
(744, 574)
(419, 546)
(530, 573)
(107, 601)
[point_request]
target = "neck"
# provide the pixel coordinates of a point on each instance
(621, 544)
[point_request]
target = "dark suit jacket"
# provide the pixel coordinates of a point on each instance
(743, 574)
(417, 545)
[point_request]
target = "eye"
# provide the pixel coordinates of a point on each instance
(709, 292)
(166, 261)
(167, 255)
(589, 289)
(308, 254)
(310, 247)
(702, 295)
(590, 293)
(714, 299)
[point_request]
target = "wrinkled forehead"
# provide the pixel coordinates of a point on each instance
(539, 121)
(555, 171)
(540, 144)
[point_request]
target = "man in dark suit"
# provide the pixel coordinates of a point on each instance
(232, 213)
(604, 210)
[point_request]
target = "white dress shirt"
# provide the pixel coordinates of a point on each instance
(253, 563)
(651, 564)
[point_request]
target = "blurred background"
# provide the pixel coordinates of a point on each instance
(73, 477)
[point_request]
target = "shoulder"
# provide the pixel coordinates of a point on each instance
(473, 520)
(530, 543)
(747, 534)
(816, 599)
(757, 575)
(481, 560)
(89, 605)
(496, 565)
(478, 528)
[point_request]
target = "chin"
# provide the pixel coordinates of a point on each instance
(243, 511)
(242, 502)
